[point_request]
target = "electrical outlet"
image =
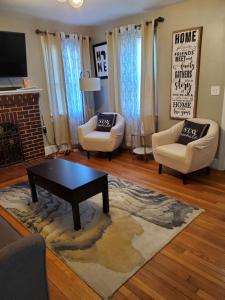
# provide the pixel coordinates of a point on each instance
(44, 129)
(215, 90)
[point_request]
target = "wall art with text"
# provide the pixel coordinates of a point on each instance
(185, 72)
(101, 60)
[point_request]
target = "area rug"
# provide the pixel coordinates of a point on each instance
(110, 248)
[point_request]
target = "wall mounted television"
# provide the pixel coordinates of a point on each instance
(13, 60)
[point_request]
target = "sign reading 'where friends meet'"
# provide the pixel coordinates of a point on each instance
(185, 71)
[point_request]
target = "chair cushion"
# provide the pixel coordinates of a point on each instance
(174, 152)
(98, 136)
(105, 122)
(98, 141)
(192, 131)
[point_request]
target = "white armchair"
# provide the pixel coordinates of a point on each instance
(188, 158)
(92, 140)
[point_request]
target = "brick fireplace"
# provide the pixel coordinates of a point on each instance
(22, 109)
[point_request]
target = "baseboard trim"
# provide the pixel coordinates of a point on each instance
(50, 149)
(217, 165)
(221, 153)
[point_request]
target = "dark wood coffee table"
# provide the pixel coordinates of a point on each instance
(70, 181)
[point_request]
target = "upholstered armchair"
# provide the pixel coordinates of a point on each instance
(92, 140)
(188, 158)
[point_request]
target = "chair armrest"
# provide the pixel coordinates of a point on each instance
(168, 136)
(23, 269)
(87, 127)
(118, 129)
(202, 151)
(204, 142)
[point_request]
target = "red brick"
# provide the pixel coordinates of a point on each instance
(28, 107)
(34, 111)
(24, 110)
(16, 109)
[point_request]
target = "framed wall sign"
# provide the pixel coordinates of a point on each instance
(101, 60)
(185, 72)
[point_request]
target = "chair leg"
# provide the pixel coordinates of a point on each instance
(110, 156)
(88, 154)
(184, 176)
(160, 169)
(208, 170)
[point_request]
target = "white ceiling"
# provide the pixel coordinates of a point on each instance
(93, 12)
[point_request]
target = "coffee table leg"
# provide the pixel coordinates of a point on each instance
(105, 196)
(32, 187)
(76, 216)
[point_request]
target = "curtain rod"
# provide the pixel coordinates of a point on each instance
(157, 21)
(38, 31)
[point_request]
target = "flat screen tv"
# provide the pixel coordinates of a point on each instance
(13, 61)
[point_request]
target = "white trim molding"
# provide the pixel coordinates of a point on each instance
(220, 162)
(21, 91)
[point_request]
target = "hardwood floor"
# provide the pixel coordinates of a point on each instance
(192, 266)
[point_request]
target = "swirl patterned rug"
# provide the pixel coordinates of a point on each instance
(110, 248)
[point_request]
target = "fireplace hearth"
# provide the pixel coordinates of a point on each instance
(10, 144)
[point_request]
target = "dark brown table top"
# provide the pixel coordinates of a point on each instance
(66, 173)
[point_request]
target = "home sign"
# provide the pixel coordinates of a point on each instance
(185, 72)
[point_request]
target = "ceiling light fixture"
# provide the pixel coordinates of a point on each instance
(76, 3)
(73, 3)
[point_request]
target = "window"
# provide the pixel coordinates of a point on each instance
(130, 78)
(72, 69)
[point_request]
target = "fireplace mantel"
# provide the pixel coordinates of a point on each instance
(20, 91)
(19, 98)
(21, 107)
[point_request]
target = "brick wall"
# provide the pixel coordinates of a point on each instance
(23, 110)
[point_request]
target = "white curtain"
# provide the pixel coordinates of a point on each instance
(89, 107)
(112, 39)
(147, 78)
(71, 57)
(131, 76)
(65, 57)
(55, 84)
(124, 60)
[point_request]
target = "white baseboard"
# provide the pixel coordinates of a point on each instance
(217, 165)
(50, 149)
(53, 149)
(221, 156)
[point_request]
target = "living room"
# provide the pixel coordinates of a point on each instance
(131, 212)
